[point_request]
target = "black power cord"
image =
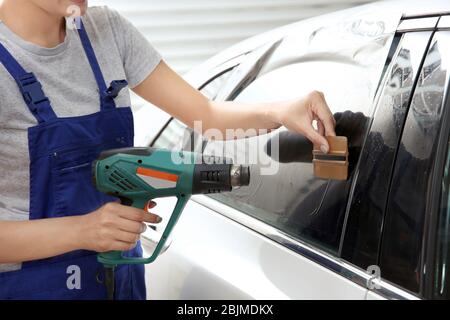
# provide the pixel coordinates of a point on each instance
(110, 282)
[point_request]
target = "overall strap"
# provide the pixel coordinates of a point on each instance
(29, 86)
(107, 95)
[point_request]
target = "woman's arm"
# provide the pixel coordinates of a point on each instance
(167, 90)
(37, 239)
(111, 227)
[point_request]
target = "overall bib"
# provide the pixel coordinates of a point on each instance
(61, 154)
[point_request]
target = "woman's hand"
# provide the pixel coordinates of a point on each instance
(115, 227)
(298, 116)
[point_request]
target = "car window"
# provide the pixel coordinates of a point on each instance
(343, 60)
(293, 200)
(401, 259)
(346, 62)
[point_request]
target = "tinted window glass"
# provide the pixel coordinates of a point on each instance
(293, 200)
(401, 250)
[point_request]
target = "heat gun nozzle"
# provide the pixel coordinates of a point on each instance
(216, 177)
(240, 176)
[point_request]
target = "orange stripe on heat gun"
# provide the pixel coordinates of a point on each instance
(157, 174)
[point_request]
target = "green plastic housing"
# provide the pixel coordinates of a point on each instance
(116, 175)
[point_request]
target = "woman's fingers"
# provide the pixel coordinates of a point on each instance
(115, 227)
(152, 218)
(315, 137)
(323, 113)
(320, 128)
(125, 236)
(138, 215)
(131, 226)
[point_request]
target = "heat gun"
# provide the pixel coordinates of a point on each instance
(138, 175)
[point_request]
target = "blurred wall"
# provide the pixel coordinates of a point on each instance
(187, 32)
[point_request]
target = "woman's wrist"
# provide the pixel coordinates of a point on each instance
(77, 232)
(272, 115)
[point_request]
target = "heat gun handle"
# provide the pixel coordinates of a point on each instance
(114, 258)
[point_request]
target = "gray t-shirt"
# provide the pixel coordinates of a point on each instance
(67, 80)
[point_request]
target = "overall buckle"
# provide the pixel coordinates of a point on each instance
(31, 89)
(115, 87)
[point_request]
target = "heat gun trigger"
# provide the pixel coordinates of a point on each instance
(129, 202)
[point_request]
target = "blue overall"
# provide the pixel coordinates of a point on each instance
(61, 153)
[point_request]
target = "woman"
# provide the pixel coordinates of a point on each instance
(58, 112)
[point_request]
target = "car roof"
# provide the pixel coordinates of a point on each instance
(415, 7)
(396, 8)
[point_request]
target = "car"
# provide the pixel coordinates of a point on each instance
(384, 233)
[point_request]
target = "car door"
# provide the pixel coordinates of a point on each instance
(282, 237)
